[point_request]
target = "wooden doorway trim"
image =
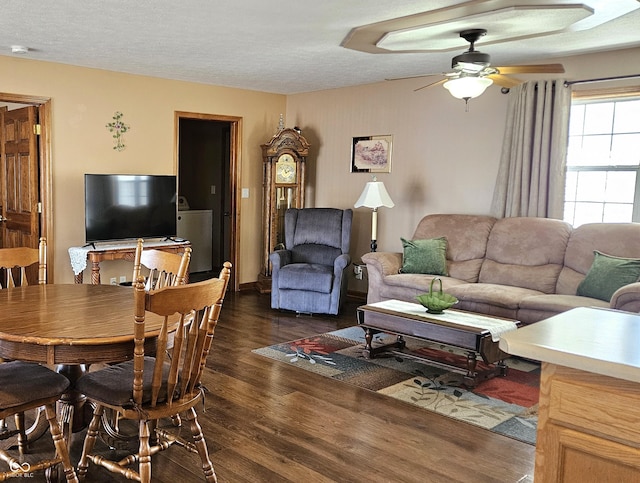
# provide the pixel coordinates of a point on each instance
(45, 172)
(234, 179)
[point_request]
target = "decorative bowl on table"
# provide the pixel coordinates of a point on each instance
(436, 302)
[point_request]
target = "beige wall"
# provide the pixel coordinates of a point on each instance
(84, 100)
(444, 159)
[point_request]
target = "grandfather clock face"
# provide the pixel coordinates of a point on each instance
(286, 169)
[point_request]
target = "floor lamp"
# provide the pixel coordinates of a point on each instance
(374, 196)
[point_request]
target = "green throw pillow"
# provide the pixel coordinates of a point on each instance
(607, 274)
(425, 256)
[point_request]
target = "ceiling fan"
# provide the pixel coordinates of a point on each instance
(472, 71)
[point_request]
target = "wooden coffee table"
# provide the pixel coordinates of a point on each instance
(478, 334)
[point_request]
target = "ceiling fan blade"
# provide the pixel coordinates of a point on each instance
(504, 81)
(441, 81)
(532, 69)
(417, 76)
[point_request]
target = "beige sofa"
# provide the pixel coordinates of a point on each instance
(521, 268)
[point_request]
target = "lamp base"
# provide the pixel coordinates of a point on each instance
(374, 245)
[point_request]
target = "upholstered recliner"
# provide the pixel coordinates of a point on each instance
(309, 275)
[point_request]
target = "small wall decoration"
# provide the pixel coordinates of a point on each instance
(118, 128)
(371, 154)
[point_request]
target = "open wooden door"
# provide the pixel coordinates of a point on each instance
(20, 201)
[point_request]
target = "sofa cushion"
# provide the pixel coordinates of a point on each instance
(559, 303)
(466, 241)
(421, 281)
(539, 307)
(607, 274)
(489, 293)
(425, 256)
(526, 252)
(616, 239)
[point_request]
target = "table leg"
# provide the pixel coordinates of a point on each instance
(369, 352)
(71, 404)
(502, 367)
(95, 273)
(79, 278)
(368, 338)
(471, 378)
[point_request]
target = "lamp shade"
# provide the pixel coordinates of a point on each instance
(467, 87)
(374, 195)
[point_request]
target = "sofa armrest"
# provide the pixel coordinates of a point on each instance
(627, 298)
(379, 265)
(386, 263)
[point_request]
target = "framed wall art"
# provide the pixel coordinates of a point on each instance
(371, 154)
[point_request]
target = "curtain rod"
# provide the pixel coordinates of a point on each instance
(601, 79)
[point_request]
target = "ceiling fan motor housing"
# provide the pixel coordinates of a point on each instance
(478, 60)
(472, 57)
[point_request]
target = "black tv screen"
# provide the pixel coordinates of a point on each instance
(123, 206)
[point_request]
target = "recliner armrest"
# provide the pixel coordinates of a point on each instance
(341, 262)
(280, 258)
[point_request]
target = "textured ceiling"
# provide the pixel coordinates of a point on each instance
(290, 47)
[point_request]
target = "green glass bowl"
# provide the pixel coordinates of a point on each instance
(436, 302)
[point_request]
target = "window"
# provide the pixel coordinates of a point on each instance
(603, 161)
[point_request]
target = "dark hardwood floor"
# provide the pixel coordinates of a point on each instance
(266, 421)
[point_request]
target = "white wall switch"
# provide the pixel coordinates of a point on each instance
(245, 192)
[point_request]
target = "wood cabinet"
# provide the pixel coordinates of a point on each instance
(588, 427)
(589, 411)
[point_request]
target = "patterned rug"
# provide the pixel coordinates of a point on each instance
(505, 405)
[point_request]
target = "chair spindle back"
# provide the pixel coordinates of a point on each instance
(198, 307)
(16, 263)
(165, 269)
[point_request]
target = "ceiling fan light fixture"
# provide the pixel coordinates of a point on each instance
(467, 87)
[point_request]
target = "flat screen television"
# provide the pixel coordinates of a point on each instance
(123, 206)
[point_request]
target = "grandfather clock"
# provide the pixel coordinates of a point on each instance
(284, 158)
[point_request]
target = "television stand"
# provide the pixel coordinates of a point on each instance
(95, 254)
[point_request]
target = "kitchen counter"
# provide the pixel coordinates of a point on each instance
(589, 407)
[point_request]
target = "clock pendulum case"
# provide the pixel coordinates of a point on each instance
(284, 158)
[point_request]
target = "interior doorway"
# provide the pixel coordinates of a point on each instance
(26, 218)
(207, 152)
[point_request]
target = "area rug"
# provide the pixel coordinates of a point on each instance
(505, 405)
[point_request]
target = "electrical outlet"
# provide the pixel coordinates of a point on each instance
(123, 278)
(113, 281)
(357, 270)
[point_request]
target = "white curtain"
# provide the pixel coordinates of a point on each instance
(531, 176)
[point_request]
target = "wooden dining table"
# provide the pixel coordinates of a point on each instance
(71, 326)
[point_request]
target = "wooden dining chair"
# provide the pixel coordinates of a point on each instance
(16, 263)
(17, 268)
(26, 386)
(148, 389)
(165, 269)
